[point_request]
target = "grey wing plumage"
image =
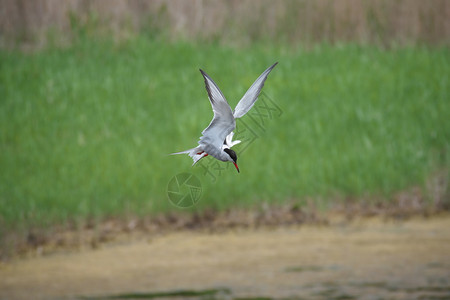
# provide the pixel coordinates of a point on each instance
(223, 121)
(250, 97)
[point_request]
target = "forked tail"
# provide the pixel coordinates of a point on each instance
(196, 153)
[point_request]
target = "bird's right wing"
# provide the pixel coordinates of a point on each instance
(250, 97)
(223, 121)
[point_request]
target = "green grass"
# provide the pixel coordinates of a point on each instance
(85, 130)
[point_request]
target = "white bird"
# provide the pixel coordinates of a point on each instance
(217, 138)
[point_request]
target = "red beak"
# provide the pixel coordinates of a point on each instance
(237, 168)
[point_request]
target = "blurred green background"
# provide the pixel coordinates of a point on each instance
(94, 99)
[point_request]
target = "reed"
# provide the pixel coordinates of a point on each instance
(34, 24)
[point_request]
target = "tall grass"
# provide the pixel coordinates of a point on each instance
(380, 22)
(85, 130)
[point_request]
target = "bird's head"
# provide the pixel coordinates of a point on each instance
(233, 157)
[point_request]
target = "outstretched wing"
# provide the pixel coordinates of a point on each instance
(250, 97)
(223, 121)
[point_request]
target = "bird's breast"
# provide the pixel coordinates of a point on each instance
(215, 152)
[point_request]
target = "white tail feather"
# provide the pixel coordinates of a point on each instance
(195, 153)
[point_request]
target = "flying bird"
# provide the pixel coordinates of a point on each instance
(217, 138)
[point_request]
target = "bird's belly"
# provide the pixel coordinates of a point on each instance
(215, 152)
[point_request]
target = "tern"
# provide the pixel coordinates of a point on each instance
(217, 138)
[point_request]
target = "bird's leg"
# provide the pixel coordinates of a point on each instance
(203, 153)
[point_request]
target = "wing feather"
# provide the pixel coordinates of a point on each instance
(250, 97)
(223, 121)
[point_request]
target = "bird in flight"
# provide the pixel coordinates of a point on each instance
(217, 138)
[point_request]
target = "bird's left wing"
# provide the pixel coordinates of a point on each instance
(250, 97)
(223, 121)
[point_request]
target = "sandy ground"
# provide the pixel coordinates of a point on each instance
(368, 259)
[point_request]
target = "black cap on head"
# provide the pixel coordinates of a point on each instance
(233, 156)
(231, 153)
